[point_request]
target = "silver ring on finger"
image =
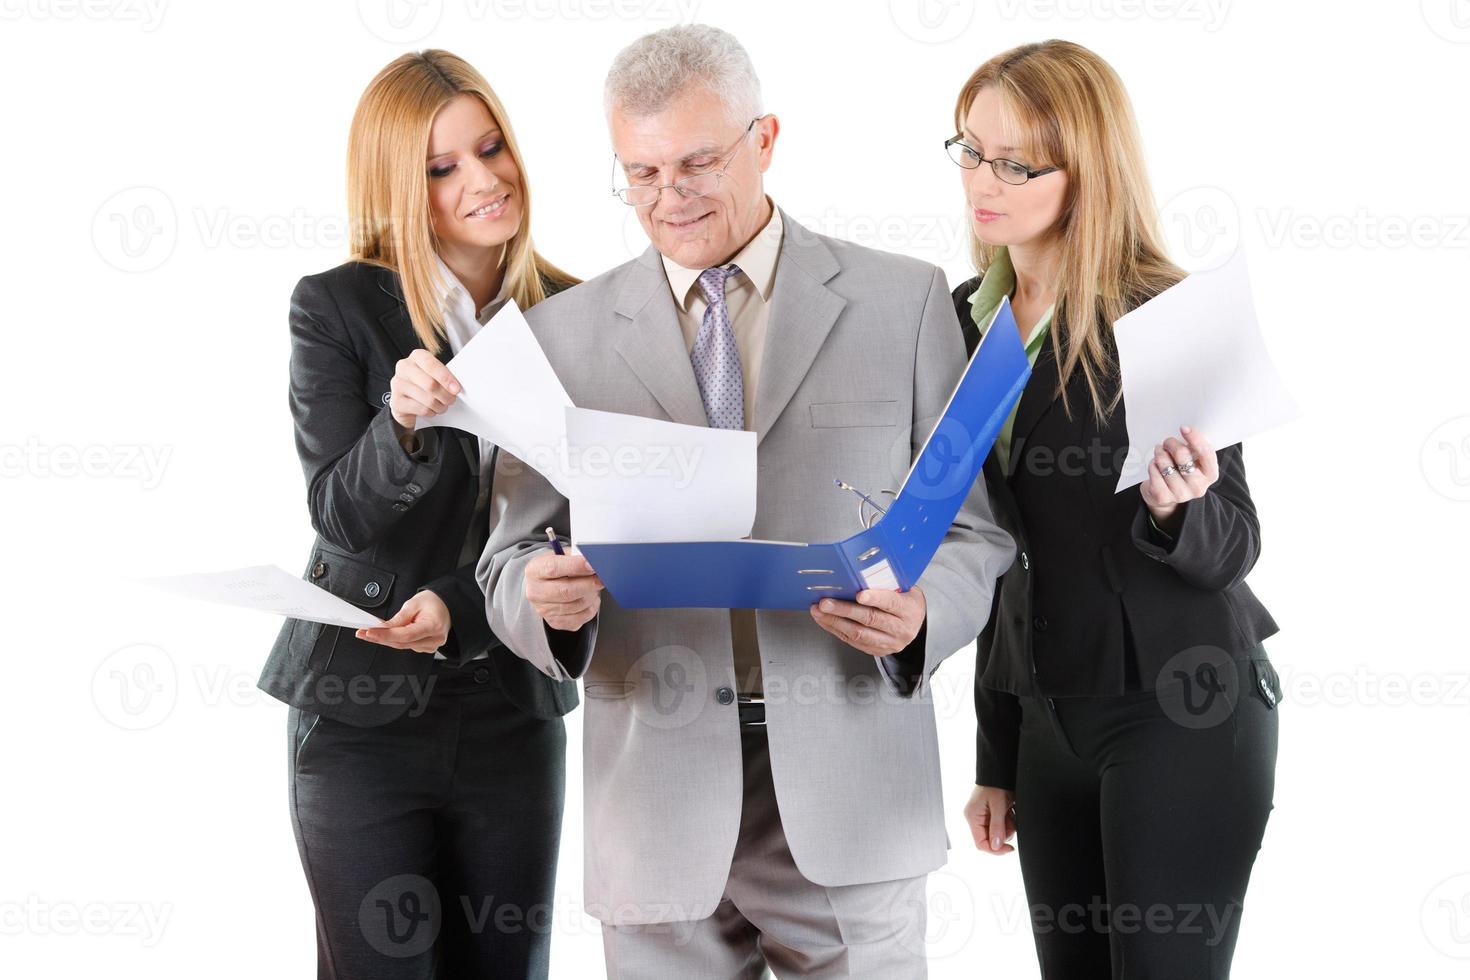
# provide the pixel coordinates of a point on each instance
(1168, 471)
(1189, 467)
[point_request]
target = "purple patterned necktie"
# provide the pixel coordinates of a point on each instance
(716, 358)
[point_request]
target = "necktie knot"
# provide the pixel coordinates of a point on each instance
(712, 282)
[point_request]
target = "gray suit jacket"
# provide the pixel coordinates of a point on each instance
(862, 352)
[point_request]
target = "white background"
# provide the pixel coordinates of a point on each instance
(170, 171)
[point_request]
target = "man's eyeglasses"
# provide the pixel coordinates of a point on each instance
(695, 185)
(1008, 171)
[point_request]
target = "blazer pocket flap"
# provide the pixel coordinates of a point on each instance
(829, 415)
(607, 690)
(350, 578)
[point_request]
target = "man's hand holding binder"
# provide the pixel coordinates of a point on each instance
(879, 623)
(563, 589)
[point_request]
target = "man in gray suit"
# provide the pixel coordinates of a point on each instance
(762, 787)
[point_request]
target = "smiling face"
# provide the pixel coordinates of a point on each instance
(693, 135)
(1001, 213)
(474, 185)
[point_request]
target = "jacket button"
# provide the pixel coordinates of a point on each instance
(319, 569)
(1040, 623)
(371, 590)
(725, 696)
(407, 498)
(1025, 562)
(400, 505)
(414, 488)
(482, 675)
(387, 396)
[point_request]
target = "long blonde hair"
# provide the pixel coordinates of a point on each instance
(1071, 111)
(388, 187)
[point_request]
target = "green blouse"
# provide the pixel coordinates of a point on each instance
(999, 281)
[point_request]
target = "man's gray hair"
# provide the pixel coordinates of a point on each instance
(657, 69)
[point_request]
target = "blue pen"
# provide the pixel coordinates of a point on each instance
(555, 544)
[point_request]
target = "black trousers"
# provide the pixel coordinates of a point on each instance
(1138, 819)
(430, 843)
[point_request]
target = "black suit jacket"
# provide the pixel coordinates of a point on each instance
(1093, 582)
(388, 523)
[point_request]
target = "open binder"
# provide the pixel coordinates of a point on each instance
(891, 554)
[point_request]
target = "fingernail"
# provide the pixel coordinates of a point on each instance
(1186, 429)
(995, 843)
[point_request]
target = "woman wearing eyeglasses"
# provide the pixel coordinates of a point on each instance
(426, 760)
(1126, 708)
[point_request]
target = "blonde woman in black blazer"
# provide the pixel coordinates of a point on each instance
(1126, 707)
(426, 760)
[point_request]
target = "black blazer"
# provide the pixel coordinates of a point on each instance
(388, 524)
(1093, 582)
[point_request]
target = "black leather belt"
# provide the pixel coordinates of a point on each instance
(752, 710)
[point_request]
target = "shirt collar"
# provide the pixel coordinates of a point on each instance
(757, 260)
(999, 280)
(455, 297)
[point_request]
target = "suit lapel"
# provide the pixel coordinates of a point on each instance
(802, 313)
(1036, 400)
(653, 346)
(396, 327)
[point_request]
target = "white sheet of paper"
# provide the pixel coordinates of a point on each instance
(510, 395)
(268, 588)
(1194, 355)
(640, 479)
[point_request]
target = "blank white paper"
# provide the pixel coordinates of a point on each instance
(272, 589)
(1194, 355)
(639, 479)
(510, 395)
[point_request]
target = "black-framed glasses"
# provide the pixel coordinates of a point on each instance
(1008, 171)
(695, 185)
